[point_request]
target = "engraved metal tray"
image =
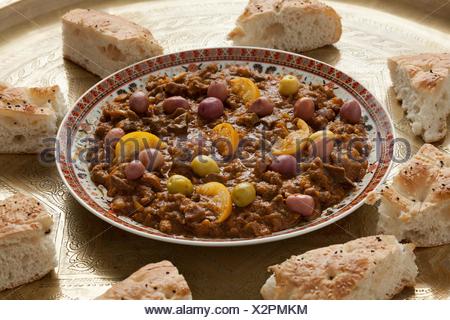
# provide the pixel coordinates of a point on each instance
(91, 253)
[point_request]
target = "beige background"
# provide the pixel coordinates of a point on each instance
(92, 254)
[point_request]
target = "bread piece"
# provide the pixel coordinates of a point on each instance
(103, 43)
(291, 25)
(27, 252)
(416, 205)
(29, 117)
(422, 82)
(155, 281)
(376, 267)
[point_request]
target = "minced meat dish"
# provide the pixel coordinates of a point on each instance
(228, 152)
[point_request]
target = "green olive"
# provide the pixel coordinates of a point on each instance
(243, 194)
(289, 85)
(179, 184)
(204, 165)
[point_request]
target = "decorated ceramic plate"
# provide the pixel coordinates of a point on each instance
(264, 68)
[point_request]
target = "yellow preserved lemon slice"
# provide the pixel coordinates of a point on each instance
(294, 141)
(221, 197)
(227, 131)
(245, 88)
(303, 126)
(327, 134)
(133, 142)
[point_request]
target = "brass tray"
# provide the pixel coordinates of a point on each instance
(92, 254)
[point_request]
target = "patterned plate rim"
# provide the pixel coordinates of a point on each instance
(106, 86)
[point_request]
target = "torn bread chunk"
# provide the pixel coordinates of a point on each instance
(422, 83)
(27, 252)
(155, 281)
(29, 118)
(376, 267)
(103, 43)
(290, 25)
(416, 205)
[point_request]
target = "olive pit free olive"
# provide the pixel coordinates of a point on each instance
(261, 106)
(138, 101)
(134, 170)
(351, 112)
(304, 108)
(218, 89)
(289, 85)
(301, 203)
(243, 194)
(284, 164)
(173, 103)
(113, 136)
(210, 108)
(179, 184)
(203, 165)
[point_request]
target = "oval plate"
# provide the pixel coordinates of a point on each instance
(77, 128)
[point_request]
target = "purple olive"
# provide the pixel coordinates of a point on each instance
(113, 136)
(218, 89)
(322, 148)
(285, 165)
(210, 108)
(173, 103)
(134, 170)
(304, 108)
(152, 159)
(139, 102)
(351, 112)
(262, 107)
(301, 204)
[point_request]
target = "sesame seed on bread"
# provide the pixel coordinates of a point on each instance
(291, 25)
(357, 269)
(29, 118)
(27, 252)
(415, 206)
(155, 281)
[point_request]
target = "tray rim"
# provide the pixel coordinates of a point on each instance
(211, 242)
